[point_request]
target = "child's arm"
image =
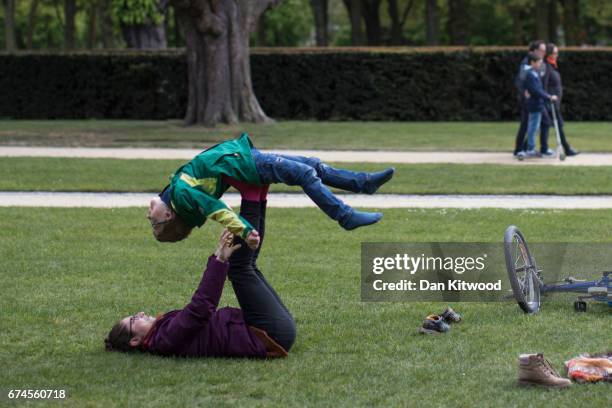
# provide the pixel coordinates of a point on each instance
(534, 86)
(197, 205)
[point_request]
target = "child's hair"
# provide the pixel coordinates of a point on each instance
(118, 339)
(532, 56)
(173, 231)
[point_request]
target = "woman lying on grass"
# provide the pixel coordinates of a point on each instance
(263, 327)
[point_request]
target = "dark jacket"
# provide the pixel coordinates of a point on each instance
(521, 75)
(552, 83)
(519, 80)
(200, 330)
(537, 96)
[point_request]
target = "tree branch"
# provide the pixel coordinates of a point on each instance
(251, 10)
(59, 14)
(406, 12)
(263, 5)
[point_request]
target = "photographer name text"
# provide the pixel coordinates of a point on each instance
(425, 285)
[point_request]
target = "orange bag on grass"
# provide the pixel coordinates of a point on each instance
(590, 368)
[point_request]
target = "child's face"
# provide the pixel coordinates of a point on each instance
(158, 212)
(536, 64)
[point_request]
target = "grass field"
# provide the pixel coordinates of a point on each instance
(68, 275)
(475, 136)
(65, 174)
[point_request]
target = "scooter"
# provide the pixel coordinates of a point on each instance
(560, 150)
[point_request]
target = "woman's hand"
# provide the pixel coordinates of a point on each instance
(225, 249)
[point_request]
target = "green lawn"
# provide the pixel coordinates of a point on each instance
(480, 136)
(68, 275)
(61, 174)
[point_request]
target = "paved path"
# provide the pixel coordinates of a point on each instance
(117, 200)
(585, 159)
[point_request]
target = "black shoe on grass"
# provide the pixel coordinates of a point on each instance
(434, 324)
(450, 316)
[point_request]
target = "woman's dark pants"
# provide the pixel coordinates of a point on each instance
(260, 304)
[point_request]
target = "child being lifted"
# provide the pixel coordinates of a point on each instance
(195, 189)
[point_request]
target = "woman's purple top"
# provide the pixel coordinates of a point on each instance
(200, 330)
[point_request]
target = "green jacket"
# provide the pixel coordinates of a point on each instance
(198, 186)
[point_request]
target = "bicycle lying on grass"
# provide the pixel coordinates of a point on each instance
(527, 281)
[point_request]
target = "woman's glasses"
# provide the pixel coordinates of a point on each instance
(132, 318)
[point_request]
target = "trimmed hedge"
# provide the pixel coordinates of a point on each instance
(332, 84)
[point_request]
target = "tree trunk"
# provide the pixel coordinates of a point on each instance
(541, 17)
(370, 10)
(70, 9)
(9, 25)
(262, 39)
(517, 24)
(431, 22)
(144, 36)
(396, 29)
(178, 35)
(92, 18)
(458, 22)
(218, 67)
(31, 24)
(320, 13)
(571, 21)
(354, 10)
(553, 21)
(106, 24)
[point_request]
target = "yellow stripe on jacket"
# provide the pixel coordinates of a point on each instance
(229, 220)
(208, 184)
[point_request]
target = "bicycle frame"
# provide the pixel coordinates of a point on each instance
(582, 287)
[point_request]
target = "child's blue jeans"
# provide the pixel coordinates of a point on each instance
(533, 124)
(312, 175)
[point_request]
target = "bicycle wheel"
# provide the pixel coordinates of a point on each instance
(523, 273)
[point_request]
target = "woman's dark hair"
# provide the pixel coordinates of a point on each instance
(118, 339)
(550, 47)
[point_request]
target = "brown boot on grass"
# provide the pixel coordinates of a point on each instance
(534, 369)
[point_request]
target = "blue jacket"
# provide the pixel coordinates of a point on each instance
(537, 96)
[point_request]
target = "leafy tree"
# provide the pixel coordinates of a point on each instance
(141, 22)
(598, 21)
(290, 24)
(133, 12)
(9, 24)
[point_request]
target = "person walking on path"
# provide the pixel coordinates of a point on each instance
(553, 86)
(539, 48)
